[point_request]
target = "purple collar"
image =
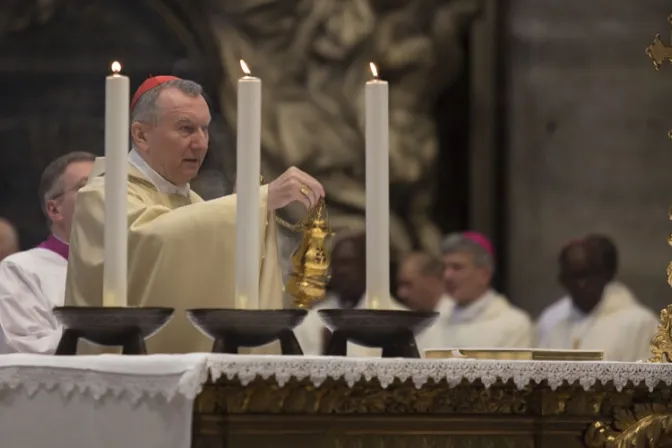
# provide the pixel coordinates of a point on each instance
(55, 245)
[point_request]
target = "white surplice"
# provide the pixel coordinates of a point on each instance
(433, 336)
(32, 283)
(491, 321)
(619, 325)
(310, 333)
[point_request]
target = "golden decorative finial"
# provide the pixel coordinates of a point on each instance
(658, 51)
(661, 343)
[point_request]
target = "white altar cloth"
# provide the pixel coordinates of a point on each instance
(147, 401)
(98, 401)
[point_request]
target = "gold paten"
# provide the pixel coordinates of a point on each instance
(517, 354)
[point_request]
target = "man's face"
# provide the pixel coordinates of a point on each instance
(348, 271)
(61, 208)
(415, 289)
(583, 279)
(176, 145)
(464, 280)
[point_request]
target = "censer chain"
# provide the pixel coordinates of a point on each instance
(304, 223)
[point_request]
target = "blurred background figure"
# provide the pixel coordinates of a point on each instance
(420, 282)
(478, 315)
(598, 312)
(346, 290)
(9, 239)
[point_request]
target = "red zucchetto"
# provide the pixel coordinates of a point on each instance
(149, 84)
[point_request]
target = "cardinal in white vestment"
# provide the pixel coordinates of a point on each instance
(32, 282)
(598, 313)
(476, 316)
(181, 249)
(420, 287)
(347, 290)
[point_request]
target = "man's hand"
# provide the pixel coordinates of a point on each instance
(294, 185)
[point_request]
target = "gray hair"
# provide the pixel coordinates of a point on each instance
(457, 242)
(146, 111)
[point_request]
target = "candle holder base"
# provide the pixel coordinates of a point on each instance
(110, 326)
(393, 331)
(232, 328)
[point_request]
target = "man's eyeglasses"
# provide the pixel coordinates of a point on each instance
(64, 192)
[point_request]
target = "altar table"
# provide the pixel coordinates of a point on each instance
(218, 401)
(287, 402)
(101, 401)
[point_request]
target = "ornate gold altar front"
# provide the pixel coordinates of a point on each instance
(469, 415)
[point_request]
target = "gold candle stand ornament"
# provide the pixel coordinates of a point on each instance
(661, 343)
(310, 275)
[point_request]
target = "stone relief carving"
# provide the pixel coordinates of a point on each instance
(312, 56)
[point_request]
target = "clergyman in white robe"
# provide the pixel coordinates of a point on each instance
(619, 325)
(32, 283)
(490, 321)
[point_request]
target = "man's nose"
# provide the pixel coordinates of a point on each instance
(200, 140)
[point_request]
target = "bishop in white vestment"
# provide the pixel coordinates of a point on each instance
(598, 313)
(32, 282)
(476, 316)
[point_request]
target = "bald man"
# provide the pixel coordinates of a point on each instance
(420, 281)
(598, 312)
(9, 239)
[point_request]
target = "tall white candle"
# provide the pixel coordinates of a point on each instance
(248, 150)
(117, 103)
(377, 194)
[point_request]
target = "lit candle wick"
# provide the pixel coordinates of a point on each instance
(116, 67)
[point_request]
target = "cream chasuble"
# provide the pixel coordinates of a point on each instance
(489, 322)
(619, 325)
(181, 254)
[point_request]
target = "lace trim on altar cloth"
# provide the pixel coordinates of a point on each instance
(131, 378)
(138, 377)
(386, 371)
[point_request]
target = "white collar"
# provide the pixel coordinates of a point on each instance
(474, 309)
(161, 184)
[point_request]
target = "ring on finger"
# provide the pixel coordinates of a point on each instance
(305, 190)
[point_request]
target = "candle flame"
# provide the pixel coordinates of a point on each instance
(116, 67)
(374, 69)
(245, 68)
